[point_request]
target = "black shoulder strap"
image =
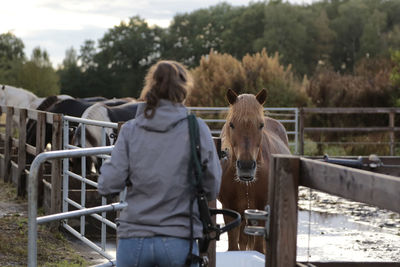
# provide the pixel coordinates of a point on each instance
(195, 154)
(211, 231)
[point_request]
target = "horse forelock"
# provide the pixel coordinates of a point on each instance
(246, 109)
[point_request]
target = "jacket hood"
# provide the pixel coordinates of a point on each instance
(166, 117)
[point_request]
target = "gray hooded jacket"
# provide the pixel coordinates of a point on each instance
(153, 155)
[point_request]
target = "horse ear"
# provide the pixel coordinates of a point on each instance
(261, 96)
(231, 96)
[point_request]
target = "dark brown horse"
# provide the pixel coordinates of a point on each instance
(249, 138)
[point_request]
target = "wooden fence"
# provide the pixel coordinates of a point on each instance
(307, 127)
(289, 172)
(14, 161)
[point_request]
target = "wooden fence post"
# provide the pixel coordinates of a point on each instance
(40, 140)
(56, 144)
(391, 134)
(21, 178)
(282, 199)
(8, 145)
(301, 130)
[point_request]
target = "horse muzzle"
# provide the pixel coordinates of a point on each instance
(246, 170)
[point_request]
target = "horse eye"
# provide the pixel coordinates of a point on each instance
(231, 125)
(261, 125)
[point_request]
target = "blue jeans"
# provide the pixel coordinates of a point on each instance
(160, 251)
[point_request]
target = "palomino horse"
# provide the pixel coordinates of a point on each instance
(249, 138)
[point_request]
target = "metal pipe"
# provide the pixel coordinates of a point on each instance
(33, 193)
(88, 242)
(82, 212)
(92, 122)
(80, 178)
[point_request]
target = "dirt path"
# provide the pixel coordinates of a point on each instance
(54, 247)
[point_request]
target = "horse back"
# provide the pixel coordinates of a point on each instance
(122, 112)
(277, 136)
(70, 107)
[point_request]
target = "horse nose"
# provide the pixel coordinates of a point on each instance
(246, 164)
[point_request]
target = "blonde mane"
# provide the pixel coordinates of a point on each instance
(246, 109)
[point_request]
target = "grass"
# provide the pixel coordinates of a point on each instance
(53, 248)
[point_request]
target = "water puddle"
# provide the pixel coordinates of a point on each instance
(337, 229)
(333, 237)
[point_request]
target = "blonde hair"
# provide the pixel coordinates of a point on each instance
(165, 80)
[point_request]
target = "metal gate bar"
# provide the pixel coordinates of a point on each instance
(33, 190)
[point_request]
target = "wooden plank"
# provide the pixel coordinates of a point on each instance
(349, 264)
(49, 117)
(351, 110)
(30, 150)
(40, 140)
(21, 153)
(301, 130)
(8, 144)
(33, 114)
(56, 144)
(282, 199)
(351, 129)
(391, 134)
(363, 186)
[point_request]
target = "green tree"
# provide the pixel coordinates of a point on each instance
(71, 76)
(38, 75)
(349, 27)
(285, 32)
(12, 57)
(87, 54)
(372, 41)
(193, 35)
(246, 25)
(125, 53)
(323, 37)
(395, 75)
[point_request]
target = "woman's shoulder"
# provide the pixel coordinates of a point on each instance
(128, 127)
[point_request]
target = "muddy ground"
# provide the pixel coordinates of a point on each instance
(337, 229)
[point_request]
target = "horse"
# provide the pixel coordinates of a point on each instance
(102, 112)
(17, 97)
(249, 139)
(21, 98)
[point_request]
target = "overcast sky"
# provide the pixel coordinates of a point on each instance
(57, 25)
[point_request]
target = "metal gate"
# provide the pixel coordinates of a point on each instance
(214, 117)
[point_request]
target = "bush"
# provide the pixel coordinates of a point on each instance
(219, 72)
(213, 77)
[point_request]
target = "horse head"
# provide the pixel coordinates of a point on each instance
(243, 132)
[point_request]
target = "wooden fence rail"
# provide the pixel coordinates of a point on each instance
(390, 128)
(288, 172)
